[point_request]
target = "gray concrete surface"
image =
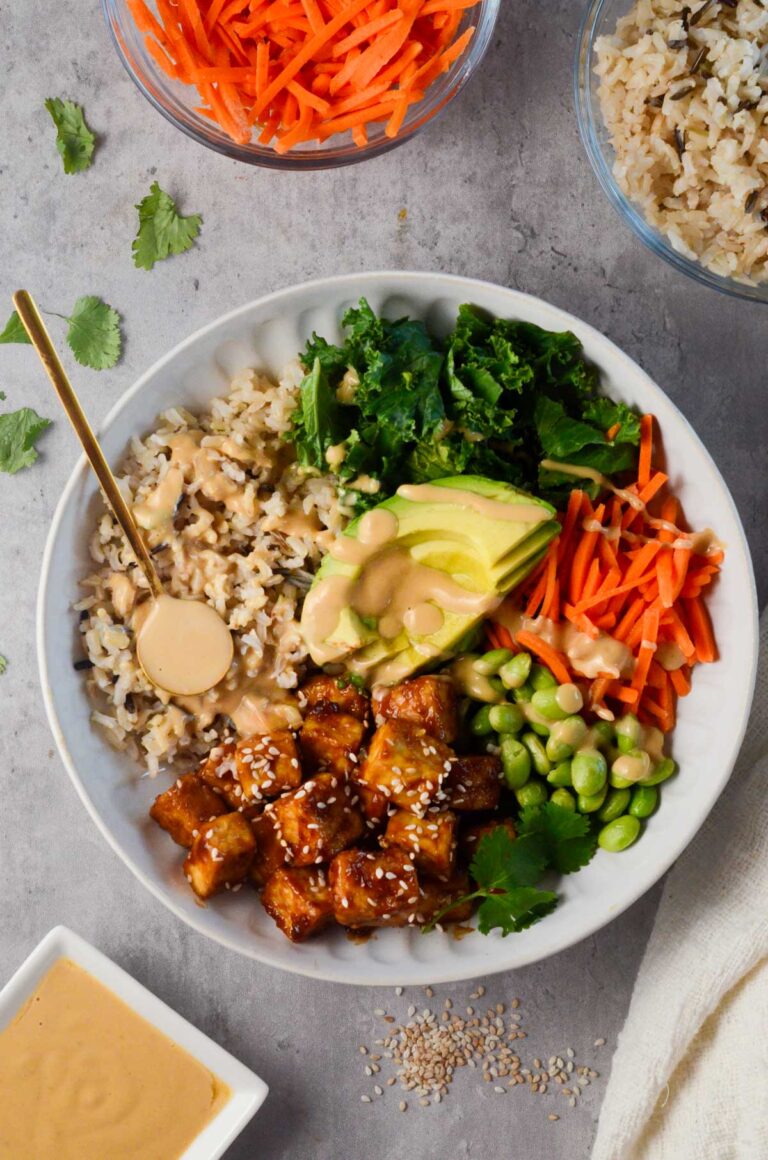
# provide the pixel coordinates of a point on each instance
(498, 189)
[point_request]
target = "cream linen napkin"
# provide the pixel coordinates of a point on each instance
(689, 1079)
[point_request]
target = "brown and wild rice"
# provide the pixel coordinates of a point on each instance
(245, 532)
(684, 95)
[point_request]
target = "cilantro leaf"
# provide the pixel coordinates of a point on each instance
(502, 863)
(3, 664)
(162, 229)
(515, 909)
(566, 837)
(18, 432)
(94, 333)
(74, 140)
(14, 331)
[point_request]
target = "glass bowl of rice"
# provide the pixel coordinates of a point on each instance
(182, 104)
(672, 107)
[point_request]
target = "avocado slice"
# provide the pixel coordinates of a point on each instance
(458, 528)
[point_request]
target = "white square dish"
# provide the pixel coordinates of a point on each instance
(248, 1091)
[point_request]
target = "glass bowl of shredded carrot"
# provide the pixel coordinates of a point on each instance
(301, 84)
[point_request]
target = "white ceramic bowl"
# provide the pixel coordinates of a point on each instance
(266, 334)
(248, 1091)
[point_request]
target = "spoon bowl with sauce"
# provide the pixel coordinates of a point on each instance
(183, 646)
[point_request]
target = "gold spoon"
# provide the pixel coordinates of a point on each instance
(183, 646)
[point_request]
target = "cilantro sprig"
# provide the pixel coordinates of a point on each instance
(74, 140)
(506, 870)
(163, 231)
(93, 332)
(19, 431)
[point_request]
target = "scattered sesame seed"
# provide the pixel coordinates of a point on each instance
(366, 1099)
(552, 1116)
(599, 1043)
(403, 1106)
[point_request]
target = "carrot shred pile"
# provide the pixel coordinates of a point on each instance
(626, 568)
(302, 70)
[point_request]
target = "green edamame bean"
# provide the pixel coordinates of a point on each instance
(533, 793)
(617, 782)
(560, 776)
(489, 663)
(619, 834)
(506, 718)
(615, 804)
(589, 772)
(541, 678)
(564, 799)
(541, 762)
(522, 694)
(538, 727)
(591, 803)
(663, 770)
(628, 731)
(644, 801)
(545, 702)
(602, 734)
(480, 724)
(515, 673)
(515, 761)
(558, 750)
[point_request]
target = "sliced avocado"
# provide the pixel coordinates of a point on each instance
(482, 551)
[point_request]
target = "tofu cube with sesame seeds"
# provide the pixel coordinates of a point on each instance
(266, 765)
(369, 888)
(271, 853)
(436, 894)
(431, 840)
(299, 900)
(221, 855)
(317, 820)
(184, 809)
(218, 771)
(428, 701)
(407, 765)
(323, 690)
(469, 836)
(331, 740)
(474, 784)
(373, 804)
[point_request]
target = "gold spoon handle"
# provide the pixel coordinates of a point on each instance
(40, 339)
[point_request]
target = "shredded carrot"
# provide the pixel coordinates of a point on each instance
(628, 571)
(295, 71)
(554, 660)
(612, 432)
(646, 450)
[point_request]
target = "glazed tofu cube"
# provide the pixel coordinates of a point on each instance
(266, 765)
(471, 835)
(271, 854)
(184, 809)
(218, 771)
(369, 888)
(331, 740)
(299, 900)
(374, 805)
(427, 701)
(220, 855)
(474, 783)
(323, 691)
(432, 840)
(317, 820)
(407, 765)
(435, 895)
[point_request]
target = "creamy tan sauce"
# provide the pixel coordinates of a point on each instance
(85, 1078)
(597, 477)
(423, 619)
(470, 683)
(569, 732)
(158, 509)
(376, 528)
(123, 592)
(632, 767)
(183, 646)
(569, 698)
(202, 468)
(670, 656)
(588, 657)
(522, 513)
(336, 455)
(254, 704)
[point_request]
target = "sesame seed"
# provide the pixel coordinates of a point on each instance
(599, 1043)
(552, 1116)
(403, 1106)
(366, 1099)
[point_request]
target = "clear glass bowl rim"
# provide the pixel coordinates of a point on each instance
(589, 133)
(437, 98)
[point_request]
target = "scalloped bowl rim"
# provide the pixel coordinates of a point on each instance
(503, 954)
